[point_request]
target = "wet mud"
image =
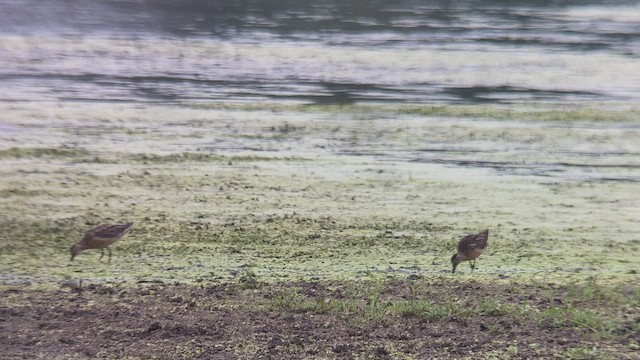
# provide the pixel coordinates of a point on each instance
(396, 318)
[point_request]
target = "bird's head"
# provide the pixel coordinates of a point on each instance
(454, 263)
(75, 250)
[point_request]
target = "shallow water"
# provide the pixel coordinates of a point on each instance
(333, 52)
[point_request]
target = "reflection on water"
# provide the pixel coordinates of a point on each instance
(322, 52)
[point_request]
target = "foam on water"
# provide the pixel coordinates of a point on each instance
(104, 69)
(470, 52)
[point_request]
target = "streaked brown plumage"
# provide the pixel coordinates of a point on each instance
(469, 248)
(101, 237)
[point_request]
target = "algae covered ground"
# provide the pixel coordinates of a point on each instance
(326, 229)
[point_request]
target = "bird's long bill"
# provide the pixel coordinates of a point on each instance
(454, 268)
(72, 256)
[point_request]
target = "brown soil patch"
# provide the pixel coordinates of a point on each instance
(344, 320)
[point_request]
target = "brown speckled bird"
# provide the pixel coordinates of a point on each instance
(101, 237)
(469, 248)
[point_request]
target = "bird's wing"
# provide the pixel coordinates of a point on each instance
(473, 241)
(109, 231)
(482, 239)
(465, 243)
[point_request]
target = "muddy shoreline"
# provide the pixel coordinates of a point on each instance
(381, 319)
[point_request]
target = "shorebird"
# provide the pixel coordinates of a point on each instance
(101, 237)
(469, 248)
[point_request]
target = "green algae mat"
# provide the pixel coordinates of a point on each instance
(264, 198)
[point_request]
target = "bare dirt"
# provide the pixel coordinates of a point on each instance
(309, 320)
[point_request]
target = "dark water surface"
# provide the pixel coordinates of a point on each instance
(320, 52)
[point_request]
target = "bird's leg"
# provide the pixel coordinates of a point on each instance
(101, 256)
(109, 254)
(472, 264)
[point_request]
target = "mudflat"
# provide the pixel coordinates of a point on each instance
(292, 231)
